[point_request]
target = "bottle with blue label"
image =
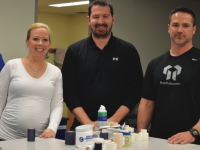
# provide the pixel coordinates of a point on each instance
(102, 116)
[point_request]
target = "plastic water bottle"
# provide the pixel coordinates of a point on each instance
(102, 116)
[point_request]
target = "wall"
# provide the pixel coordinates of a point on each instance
(66, 30)
(15, 18)
(59, 25)
(144, 23)
(79, 27)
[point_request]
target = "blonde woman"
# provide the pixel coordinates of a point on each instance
(31, 92)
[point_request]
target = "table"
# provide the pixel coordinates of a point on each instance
(56, 144)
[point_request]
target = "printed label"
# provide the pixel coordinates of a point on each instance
(81, 139)
(102, 114)
(62, 127)
(102, 118)
(126, 140)
(89, 138)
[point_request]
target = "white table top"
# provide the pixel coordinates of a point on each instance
(55, 144)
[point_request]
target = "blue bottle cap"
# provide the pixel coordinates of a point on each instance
(125, 133)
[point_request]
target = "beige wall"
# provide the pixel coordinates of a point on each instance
(79, 27)
(59, 25)
(66, 30)
(144, 23)
(15, 18)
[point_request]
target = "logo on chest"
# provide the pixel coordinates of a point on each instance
(171, 72)
(115, 58)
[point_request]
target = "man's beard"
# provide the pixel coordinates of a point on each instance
(181, 43)
(178, 42)
(101, 35)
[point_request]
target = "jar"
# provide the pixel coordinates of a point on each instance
(84, 135)
(127, 136)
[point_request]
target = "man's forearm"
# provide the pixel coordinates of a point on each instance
(81, 116)
(145, 112)
(197, 126)
(119, 114)
(185, 137)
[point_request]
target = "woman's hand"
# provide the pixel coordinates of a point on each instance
(48, 133)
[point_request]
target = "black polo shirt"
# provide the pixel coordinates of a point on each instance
(92, 77)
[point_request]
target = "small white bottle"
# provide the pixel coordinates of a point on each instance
(102, 116)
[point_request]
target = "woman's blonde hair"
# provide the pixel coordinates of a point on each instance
(37, 25)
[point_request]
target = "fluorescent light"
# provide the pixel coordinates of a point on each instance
(70, 4)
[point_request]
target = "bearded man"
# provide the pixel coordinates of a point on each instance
(101, 70)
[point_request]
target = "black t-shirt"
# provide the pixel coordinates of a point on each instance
(92, 77)
(174, 84)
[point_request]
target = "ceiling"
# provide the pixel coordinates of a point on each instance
(43, 6)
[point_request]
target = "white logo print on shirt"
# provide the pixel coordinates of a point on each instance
(115, 58)
(170, 74)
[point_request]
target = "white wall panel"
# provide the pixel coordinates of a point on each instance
(15, 18)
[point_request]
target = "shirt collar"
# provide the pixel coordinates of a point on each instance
(92, 44)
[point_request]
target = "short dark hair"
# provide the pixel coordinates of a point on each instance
(101, 3)
(183, 10)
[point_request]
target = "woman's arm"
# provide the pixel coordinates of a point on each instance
(4, 85)
(56, 109)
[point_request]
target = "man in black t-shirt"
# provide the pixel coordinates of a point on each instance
(101, 70)
(170, 95)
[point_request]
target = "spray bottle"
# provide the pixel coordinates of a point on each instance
(102, 116)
